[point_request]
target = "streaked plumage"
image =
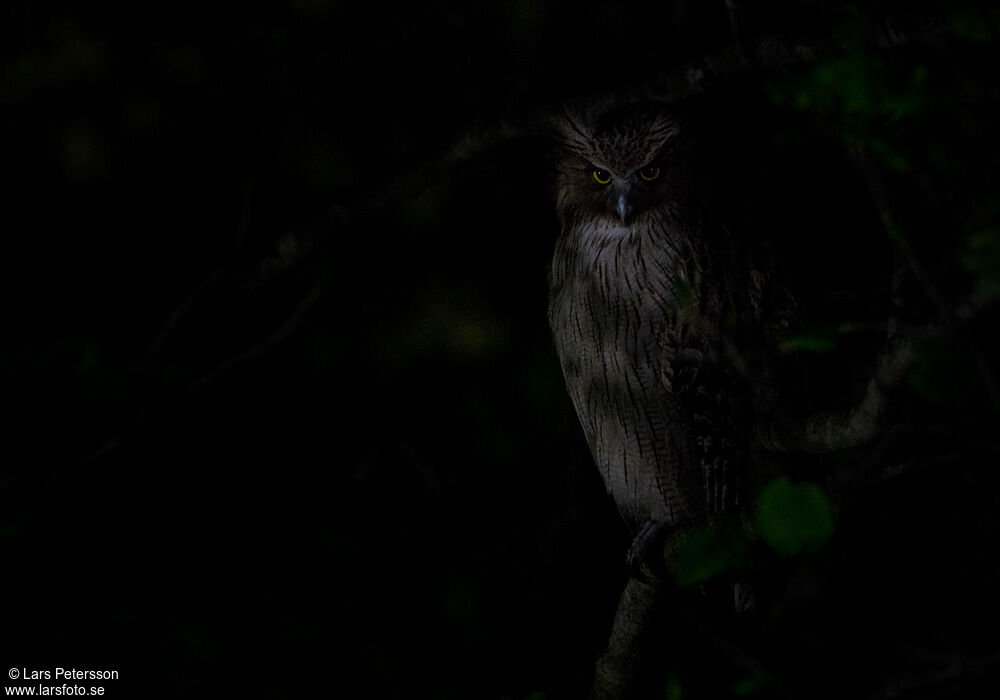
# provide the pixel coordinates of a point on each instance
(648, 297)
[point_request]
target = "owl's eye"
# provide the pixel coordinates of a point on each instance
(650, 172)
(603, 177)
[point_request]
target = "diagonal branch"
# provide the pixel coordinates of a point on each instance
(116, 441)
(858, 425)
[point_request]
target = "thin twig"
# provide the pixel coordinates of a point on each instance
(120, 438)
(951, 668)
(217, 273)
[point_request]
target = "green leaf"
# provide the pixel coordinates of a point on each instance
(794, 517)
(857, 87)
(706, 553)
(972, 26)
(752, 684)
(981, 259)
(946, 373)
(814, 342)
(673, 690)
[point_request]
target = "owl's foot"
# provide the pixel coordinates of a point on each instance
(644, 560)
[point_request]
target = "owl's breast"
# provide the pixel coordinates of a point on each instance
(609, 318)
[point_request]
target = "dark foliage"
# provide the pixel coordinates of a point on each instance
(362, 474)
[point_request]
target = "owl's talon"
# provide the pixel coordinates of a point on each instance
(644, 560)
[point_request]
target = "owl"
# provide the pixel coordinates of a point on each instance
(650, 300)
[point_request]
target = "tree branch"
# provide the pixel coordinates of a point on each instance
(641, 602)
(115, 442)
(616, 670)
(861, 424)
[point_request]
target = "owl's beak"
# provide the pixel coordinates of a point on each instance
(626, 207)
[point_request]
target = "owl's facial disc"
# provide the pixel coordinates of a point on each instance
(623, 194)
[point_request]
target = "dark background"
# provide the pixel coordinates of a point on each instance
(362, 473)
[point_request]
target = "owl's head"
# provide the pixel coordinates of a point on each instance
(617, 164)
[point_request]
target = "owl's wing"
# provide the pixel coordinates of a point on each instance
(709, 398)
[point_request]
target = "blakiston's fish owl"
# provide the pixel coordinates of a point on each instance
(651, 298)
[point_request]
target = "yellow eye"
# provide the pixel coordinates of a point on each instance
(650, 172)
(603, 177)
